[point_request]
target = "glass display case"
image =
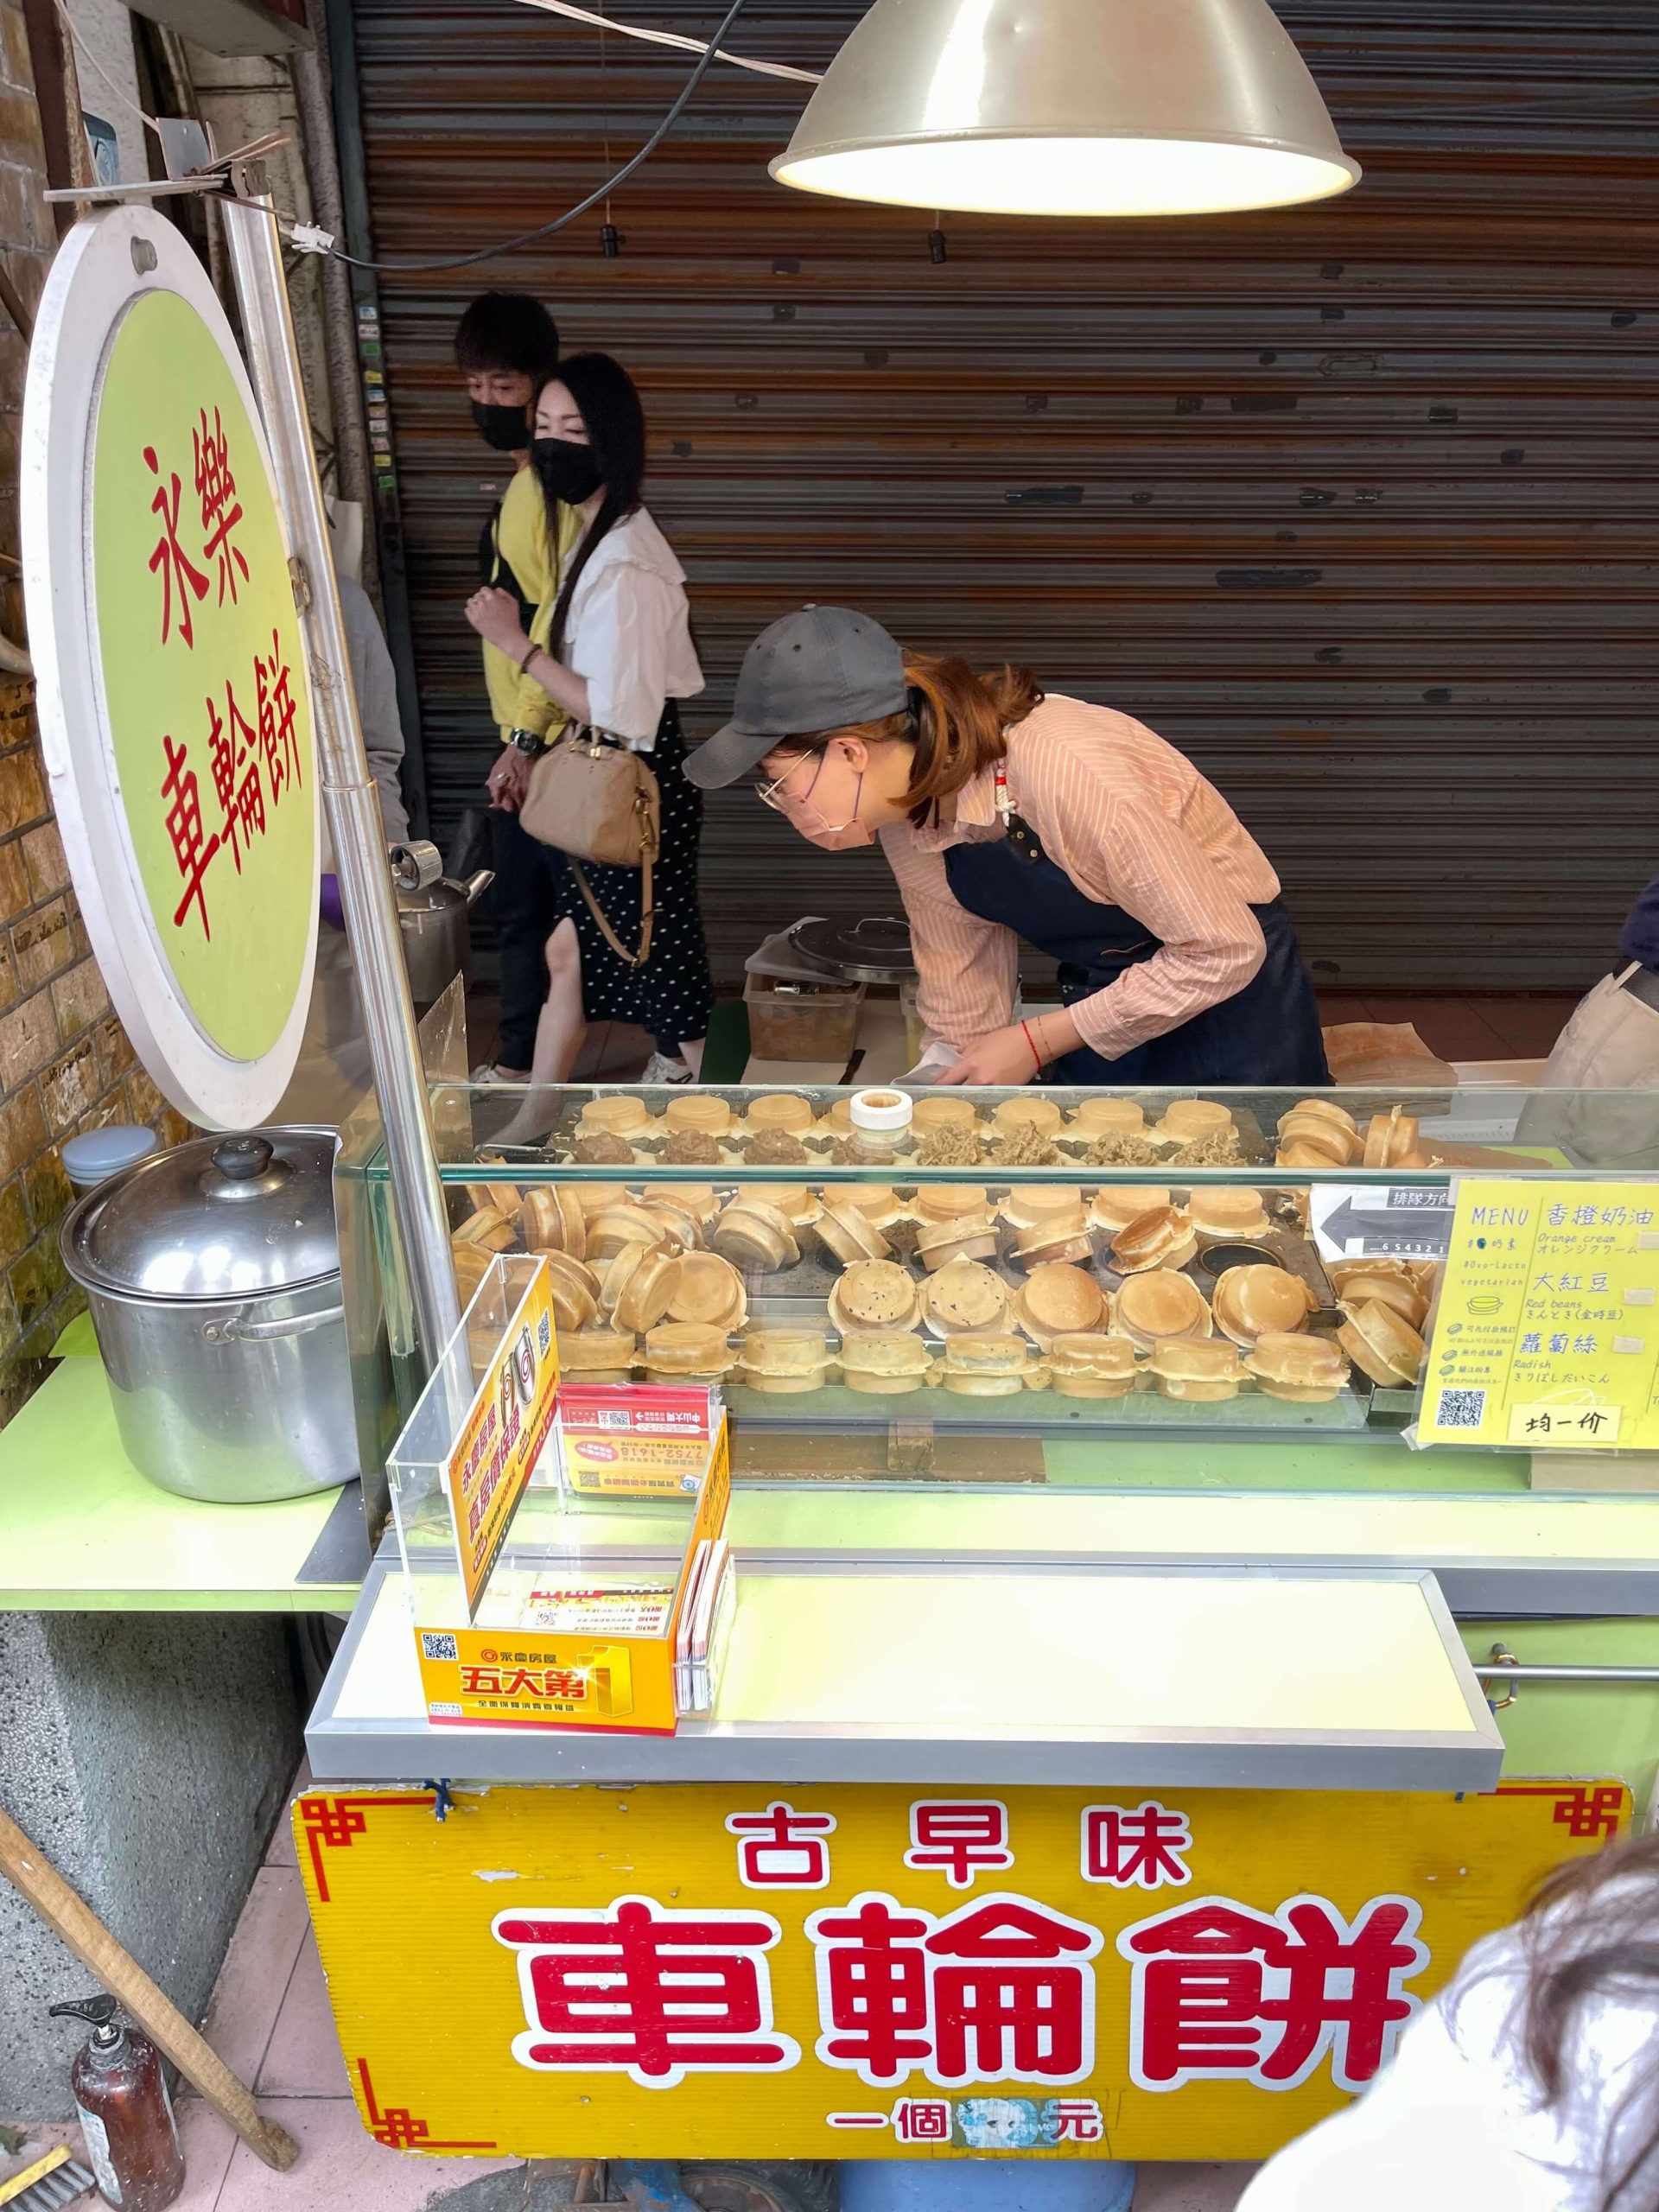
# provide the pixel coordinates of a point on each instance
(1028, 1285)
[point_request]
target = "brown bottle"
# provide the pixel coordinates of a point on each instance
(126, 2116)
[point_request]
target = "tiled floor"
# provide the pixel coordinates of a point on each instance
(269, 2020)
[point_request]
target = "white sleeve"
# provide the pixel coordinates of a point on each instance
(621, 650)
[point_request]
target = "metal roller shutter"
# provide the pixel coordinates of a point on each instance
(1354, 503)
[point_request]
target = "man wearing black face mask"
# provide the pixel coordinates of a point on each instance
(504, 343)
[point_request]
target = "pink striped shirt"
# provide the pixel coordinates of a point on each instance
(1135, 826)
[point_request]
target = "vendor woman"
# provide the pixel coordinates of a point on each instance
(1010, 817)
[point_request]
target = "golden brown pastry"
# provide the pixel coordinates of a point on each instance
(1116, 1204)
(965, 1297)
(596, 1355)
(1057, 1299)
(1228, 1209)
(1380, 1343)
(782, 1362)
(1257, 1301)
(1202, 1373)
(884, 1363)
(1306, 1370)
(1159, 1305)
(1160, 1238)
(753, 1234)
(875, 1294)
(991, 1367)
(686, 1351)
(1093, 1366)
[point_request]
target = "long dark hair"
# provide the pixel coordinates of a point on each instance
(1594, 1934)
(608, 400)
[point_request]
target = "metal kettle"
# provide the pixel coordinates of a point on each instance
(434, 918)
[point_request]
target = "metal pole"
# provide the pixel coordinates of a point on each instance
(348, 793)
(1508, 1670)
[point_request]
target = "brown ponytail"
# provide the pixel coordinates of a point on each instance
(959, 725)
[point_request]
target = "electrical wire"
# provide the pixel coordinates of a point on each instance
(110, 85)
(601, 192)
(576, 14)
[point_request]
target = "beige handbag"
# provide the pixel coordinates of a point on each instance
(597, 801)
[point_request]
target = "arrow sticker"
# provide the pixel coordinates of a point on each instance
(1376, 1222)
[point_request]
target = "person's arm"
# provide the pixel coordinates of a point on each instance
(375, 683)
(494, 615)
(628, 618)
(968, 968)
(533, 552)
(1128, 853)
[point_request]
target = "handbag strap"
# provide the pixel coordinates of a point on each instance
(647, 894)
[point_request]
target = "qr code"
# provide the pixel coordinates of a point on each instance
(611, 1417)
(437, 1647)
(1461, 1410)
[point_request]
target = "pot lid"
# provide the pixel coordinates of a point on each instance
(875, 950)
(223, 1217)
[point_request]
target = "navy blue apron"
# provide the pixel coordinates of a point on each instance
(1268, 1033)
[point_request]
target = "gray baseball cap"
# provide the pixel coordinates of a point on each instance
(825, 668)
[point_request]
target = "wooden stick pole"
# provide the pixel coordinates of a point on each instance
(34, 1878)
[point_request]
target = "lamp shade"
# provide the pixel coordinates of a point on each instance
(1069, 107)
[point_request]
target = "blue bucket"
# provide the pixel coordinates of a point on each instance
(986, 2185)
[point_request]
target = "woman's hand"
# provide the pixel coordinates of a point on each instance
(1001, 1060)
(494, 615)
(509, 780)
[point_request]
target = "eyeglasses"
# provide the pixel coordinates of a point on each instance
(767, 794)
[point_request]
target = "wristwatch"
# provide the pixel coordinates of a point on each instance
(530, 742)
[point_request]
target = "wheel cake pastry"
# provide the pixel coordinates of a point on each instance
(1228, 1209)
(1033, 1205)
(1391, 1141)
(875, 1294)
(884, 1363)
(972, 1237)
(1028, 1110)
(753, 1234)
(646, 1293)
(1189, 1121)
(1251, 1302)
(846, 1232)
(1203, 1373)
(628, 1223)
(574, 1291)
(1057, 1299)
(1363, 1283)
(596, 1355)
(1303, 1369)
(1116, 1205)
(965, 1299)
(554, 1220)
(780, 1109)
(700, 1110)
(991, 1367)
(1093, 1367)
(1052, 1242)
(621, 1113)
(506, 1198)
(1163, 1237)
(1107, 1116)
(1154, 1306)
(489, 1228)
(686, 1350)
(784, 1362)
(1317, 1134)
(709, 1290)
(1381, 1344)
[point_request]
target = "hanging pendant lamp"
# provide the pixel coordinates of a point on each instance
(1069, 107)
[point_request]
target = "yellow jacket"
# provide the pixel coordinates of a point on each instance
(520, 537)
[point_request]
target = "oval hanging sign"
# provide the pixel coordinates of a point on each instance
(175, 712)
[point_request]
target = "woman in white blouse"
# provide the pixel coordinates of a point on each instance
(614, 651)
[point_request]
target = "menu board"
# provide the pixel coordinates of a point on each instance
(1547, 1332)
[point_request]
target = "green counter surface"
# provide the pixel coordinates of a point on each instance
(82, 1531)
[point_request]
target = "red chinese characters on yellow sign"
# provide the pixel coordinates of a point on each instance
(1051, 1972)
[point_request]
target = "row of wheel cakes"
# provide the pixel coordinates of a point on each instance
(700, 1129)
(1092, 1292)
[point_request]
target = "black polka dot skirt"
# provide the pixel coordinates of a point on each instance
(671, 995)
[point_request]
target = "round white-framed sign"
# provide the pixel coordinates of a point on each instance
(172, 691)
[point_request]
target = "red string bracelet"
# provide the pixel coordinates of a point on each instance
(1032, 1041)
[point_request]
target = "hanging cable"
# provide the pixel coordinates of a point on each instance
(576, 14)
(312, 242)
(110, 85)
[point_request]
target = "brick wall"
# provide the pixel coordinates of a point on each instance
(65, 1062)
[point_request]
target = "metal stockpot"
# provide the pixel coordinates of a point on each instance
(435, 919)
(213, 1272)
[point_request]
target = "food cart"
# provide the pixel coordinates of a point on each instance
(1126, 1717)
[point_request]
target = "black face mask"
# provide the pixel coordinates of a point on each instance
(505, 429)
(566, 471)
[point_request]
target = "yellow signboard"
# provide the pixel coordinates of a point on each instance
(1547, 1334)
(204, 676)
(505, 1433)
(841, 1972)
